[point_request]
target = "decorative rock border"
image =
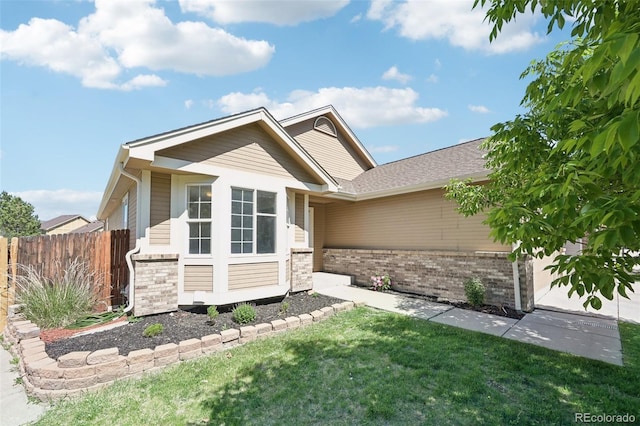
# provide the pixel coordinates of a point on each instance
(78, 372)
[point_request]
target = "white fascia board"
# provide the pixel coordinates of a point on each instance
(209, 170)
(329, 109)
(404, 189)
(145, 149)
(121, 157)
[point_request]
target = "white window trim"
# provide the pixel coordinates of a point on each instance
(188, 220)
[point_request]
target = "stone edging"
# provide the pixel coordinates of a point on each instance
(78, 372)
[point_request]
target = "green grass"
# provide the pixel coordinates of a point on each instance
(370, 367)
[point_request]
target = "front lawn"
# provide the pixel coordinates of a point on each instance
(371, 367)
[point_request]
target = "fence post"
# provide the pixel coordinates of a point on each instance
(4, 282)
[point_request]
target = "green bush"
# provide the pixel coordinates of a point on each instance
(60, 300)
(474, 290)
(244, 313)
(153, 330)
(212, 313)
(284, 307)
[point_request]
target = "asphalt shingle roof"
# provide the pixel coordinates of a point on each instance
(458, 161)
(58, 221)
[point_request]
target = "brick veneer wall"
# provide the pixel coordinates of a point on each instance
(156, 284)
(301, 269)
(436, 273)
(78, 372)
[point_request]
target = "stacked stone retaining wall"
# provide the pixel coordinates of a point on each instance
(79, 372)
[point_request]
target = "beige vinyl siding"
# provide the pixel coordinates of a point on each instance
(133, 215)
(299, 220)
(318, 236)
(198, 278)
(114, 220)
(247, 275)
(248, 148)
(160, 214)
(335, 155)
(418, 221)
(68, 227)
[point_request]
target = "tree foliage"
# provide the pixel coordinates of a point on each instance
(17, 217)
(569, 167)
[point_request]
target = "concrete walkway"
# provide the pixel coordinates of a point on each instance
(15, 407)
(587, 336)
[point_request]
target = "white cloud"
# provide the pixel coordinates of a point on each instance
(52, 203)
(432, 78)
(360, 107)
(394, 74)
(188, 103)
(122, 35)
(356, 18)
(481, 109)
(382, 149)
(437, 64)
(283, 12)
(454, 21)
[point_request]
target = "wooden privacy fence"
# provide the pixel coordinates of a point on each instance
(103, 252)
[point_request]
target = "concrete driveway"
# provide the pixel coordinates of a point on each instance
(619, 308)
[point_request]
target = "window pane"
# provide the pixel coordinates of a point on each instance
(247, 235)
(205, 246)
(236, 248)
(205, 193)
(194, 193)
(247, 195)
(194, 246)
(236, 194)
(236, 207)
(193, 211)
(236, 221)
(247, 208)
(247, 221)
(247, 248)
(266, 234)
(205, 211)
(194, 230)
(205, 230)
(236, 234)
(266, 202)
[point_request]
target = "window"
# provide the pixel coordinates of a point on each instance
(253, 221)
(199, 218)
(125, 212)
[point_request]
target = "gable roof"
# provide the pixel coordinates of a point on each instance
(143, 151)
(329, 110)
(425, 171)
(58, 221)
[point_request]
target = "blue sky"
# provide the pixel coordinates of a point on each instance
(79, 78)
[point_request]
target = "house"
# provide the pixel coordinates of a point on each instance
(95, 226)
(246, 207)
(63, 224)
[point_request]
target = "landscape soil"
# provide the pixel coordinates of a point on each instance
(177, 326)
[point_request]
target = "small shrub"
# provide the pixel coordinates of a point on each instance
(474, 290)
(380, 282)
(212, 313)
(244, 313)
(153, 330)
(284, 307)
(60, 300)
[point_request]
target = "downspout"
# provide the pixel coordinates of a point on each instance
(136, 249)
(516, 280)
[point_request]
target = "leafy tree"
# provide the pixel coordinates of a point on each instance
(569, 167)
(17, 217)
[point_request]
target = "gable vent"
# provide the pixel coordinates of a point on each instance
(325, 125)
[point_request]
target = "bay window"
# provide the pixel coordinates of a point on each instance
(253, 221)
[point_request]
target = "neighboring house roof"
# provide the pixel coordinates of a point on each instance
(425, 171)
(56, 222)
(94, 226)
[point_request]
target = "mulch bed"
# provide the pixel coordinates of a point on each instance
(194, 323)
(178, 326)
